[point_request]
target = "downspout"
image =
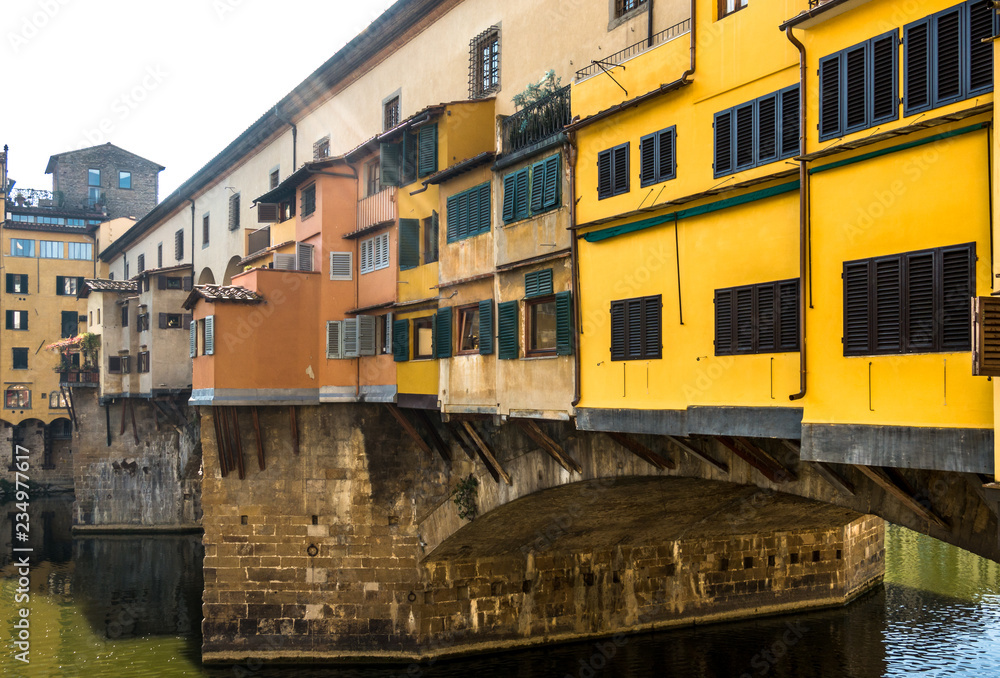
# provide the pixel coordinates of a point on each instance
(803, 214)
(649, 28)
(190, 200)
(574, 263)
(295, 134)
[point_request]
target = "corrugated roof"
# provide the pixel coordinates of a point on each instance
(222, 293)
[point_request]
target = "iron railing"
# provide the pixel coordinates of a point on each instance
(378, 208)
(259, 240)
(537, 121)
(632, 50)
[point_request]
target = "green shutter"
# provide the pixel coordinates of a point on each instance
(389, 156)
(551, 196)
(486, 327)
(521, 194)
(452, 218)
(409, 244)
(538, 283)
(400, 340)
(509, 191)
(537, 186)
(564, 323)
(484, 208)
(428, 149)
(507, 330)
(442, 333)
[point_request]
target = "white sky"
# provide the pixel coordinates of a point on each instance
(173, 82)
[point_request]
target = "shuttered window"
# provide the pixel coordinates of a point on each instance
(308, 200)
(531, 190)
(304, 256)
(762, 318)
(469, 213)
(946, 58)
(193, 339)
(210, 335)
(612, 172)
(334, 339)
(401, 340)
(758, 132)
(442, 333)
(400, 162)
(427, 150)
(658, 159)
(538, 283)
(858, 86)
(915, 302)
(486, 327)
(636, 328)
(367, 328)
(179, 245)
(409, 244)
(341, 265)
(985, 337)
(374, 253)
(564, 324)
(507, 330)
(234, 211)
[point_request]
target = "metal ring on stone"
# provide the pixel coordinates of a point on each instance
(411, 597)
(312, 550)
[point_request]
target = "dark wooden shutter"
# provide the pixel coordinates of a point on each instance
(743, 298)
(452, 218)
(723, 143)
(829, 96)
(521, 191)
(920, 301)
(10, 282)
(538, 283)
(604, 174)
(161, 282)
(486, 327)
(948, 61)
(888, 305)
(442, 333)
(789, 101)
(163, 321)
(857, 335)
(652, 331)
(389, 160)
(885, 104)
(666, 158)
(428, 145)
(744, 136)
(485, 213)
(855, 85)
(980, 52)
(620, 174)
(537, 186)
(917, 53)
(723, 322)
(186, 319)
(114, 364)
(9, 320)
(507, 330)
(633, 329)
(767, 128)
(765, 336)
(189, 281)
(788, 315)
(463, 215)
(551, 196)
(509, 191)
(986, 337)
(267, 213)
(400, 340)
(409, 244)
(60, 283)
(647, 160)
(179, 245)
(958, 286)
(618, 330)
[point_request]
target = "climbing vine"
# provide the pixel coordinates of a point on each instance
(465, 497)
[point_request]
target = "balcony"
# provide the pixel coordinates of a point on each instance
(377, 209)
(259, 240)
(624, 55)
(536, 122)
(88, 377)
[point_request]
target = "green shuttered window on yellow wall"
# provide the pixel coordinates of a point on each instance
(507, 330)
(442, 333)
(538, 283)
(486, 327)
(469, 213)
(409, 244)
(531, 190)
(401, 340)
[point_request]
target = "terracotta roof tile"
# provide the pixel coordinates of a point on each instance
(222, 293)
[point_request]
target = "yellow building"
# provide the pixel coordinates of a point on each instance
(738, 278)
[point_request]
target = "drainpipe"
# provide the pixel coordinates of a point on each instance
(803, 214)
(574, 263)
(190, 200)
(649, 29)
(295, 133)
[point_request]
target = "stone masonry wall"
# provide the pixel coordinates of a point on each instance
(72, 180)
(57, 474)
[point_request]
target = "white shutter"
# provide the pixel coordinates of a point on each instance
(350, 338)
(210, 335)
(366, 334)
(194, 338)
(334, 339)
(284, 262)
(382, 256)
(341, 265)
(367, 248)
(304, 256)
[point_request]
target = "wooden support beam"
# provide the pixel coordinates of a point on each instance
(260, 442)
(238, 442)
(781, 470)
(107, 421)
(135, 429)
(825, 470)
(534, 431)
(295, 430)
(704, 456)
(436, 439)
(168, 416)
(878, 475)
(124, 410)
(641, 451)
(459, 434)
(749, 456)
(485, 452)
(226, 442)
(223, 467)
(409, 428)
(67, 395)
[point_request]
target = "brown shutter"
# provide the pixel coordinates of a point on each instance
(188, 282)
(163, 321)
(986, 336)
(161, 282)
(267, 213)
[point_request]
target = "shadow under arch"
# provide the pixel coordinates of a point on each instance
(206, 277)
(232, 268)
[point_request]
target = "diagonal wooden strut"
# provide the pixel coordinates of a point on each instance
(260, 442)
(878, 475)
(467, 446)
(641, 451)
(485, 453)
(409, 428)
(439, 444)
(535, 432)
(825, 470)
(763, 463)
(704, 456)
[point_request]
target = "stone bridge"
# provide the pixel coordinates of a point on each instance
(334, 533)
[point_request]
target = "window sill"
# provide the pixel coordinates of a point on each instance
(541, 357)
(423, 359)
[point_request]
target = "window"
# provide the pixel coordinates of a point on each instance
(286, 210)
(468, 329)
(60, 429)
(142, 363)
(207, 327)
(179, 245)
(94, 187)
(915, 302)
(623, 7)
(274, 178)
(390, 113)
(541, 326)
(79, 251)
(657, 157)
(636, 328)
(17, 320)
(352, 337)
(126, 270)
(484, 63)
(171, 283)
(442, 333)
(423, 338)
(538, 283)
(70, 323)
(762, 318)
(68, 286)
(17, 283)
(431, 238)
(308, 200)
(400, 331)
(124, 179)
(125, 315)
(173, 321)
(531, 190)
(341, 265)
(234, 211)
(94, 177)
(205, 229)
(727, 7)
(507, 330)
(383, 334)
(375, 253)
(409, 244)
(20, 356)
(57, 401)
(612, 172)
(757, 132)
(17, 398)
(469, 213)
(142, 322)
(858, 87)
(22, 248)
(159, 255)
(140, 265)
(415, 154)
(321, 149)
(946, 58)
(372, 183)
(119, 364)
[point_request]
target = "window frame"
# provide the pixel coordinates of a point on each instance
(658, 176)
(626, 8)
(782, 341)
(530, 305)
(24, 243)
(14, 319)
(654, 301)
(485, 63)
(206, 229)
(308, 196)
(391, 110)
(14, 352)
(234, 212)
(425, 322)
(612, 159)
(16, 279)
(467, 316)
(20, 405)
(724, 10)
(51, 249)
(90, 177)
(125, 174)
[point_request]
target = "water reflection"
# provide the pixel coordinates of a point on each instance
(112, 606)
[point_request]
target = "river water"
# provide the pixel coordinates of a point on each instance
(130, 606)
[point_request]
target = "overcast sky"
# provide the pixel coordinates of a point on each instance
(173, 82)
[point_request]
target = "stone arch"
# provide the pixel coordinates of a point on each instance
(232, 268)
(206, 277)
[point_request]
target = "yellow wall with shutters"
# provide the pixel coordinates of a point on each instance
(416, 377)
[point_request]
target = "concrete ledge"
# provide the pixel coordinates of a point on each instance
(137, 529)
(753, 422)
(232, 397)
(962, 450)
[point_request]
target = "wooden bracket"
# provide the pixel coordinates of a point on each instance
(409, 428)
(294, 424)
(260, 442)
(169, 417)
(219, 443)
(67, 395)
(758, 459)
(881, 477)
(439, 444)
(828, 473)
(459, 434)
(690, 449)
(641, 451)
(534, 431)
(486, 454)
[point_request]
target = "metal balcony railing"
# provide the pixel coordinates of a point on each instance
(378, 208)
(639, 47)
(259, 240)
(536, 122)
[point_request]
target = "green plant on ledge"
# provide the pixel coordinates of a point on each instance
(465, 498)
